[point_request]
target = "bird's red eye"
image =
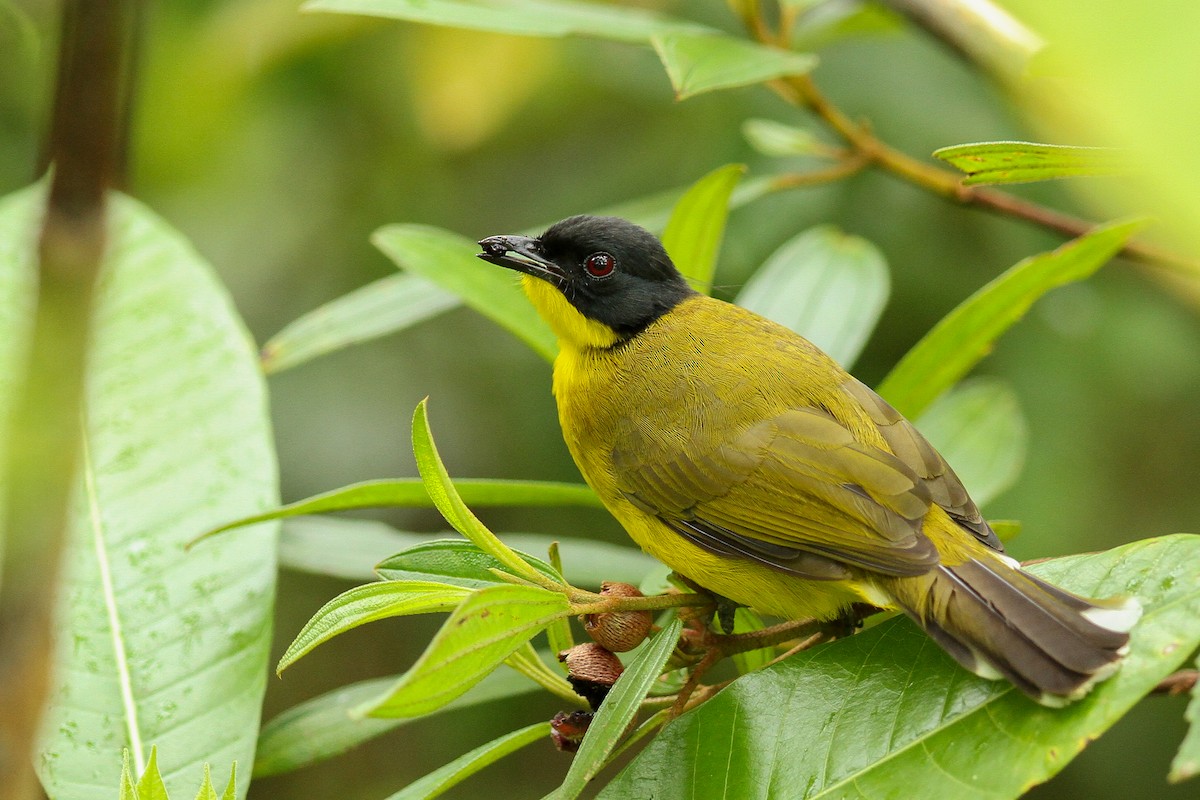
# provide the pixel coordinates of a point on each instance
(599, 265)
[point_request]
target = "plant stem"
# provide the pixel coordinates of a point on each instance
(802, 91)
(44, 433)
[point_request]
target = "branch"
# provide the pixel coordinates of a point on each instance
(44, 432)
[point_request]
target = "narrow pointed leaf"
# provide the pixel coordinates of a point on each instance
(447, 500)
(230, 792)
(618, 710)
(128, 787)
(965, 335)
(1186, 763)
(351, 548)
(693, 234)
(385, 306)
(979, 429)
(452, 561)
(702, 62)
(367, 603)
(887, 708)
(177, 440)
(411, 493)
(449, 261)
(207, 792)
(827, 286)
(1022, 162)
(484, 630)
(551, 18)
(150, 786)
(321, 728)
(439, 781)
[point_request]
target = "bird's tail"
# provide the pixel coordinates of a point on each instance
(999, 621)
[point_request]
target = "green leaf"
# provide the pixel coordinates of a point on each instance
(618, 710)
(461, 768)
(702, 62)
(967, 334)
(150, 786)
(447, 500)
(887, 708)
(321, 728)
(367, 603)
(693, 234)
(485, 629)
(230, 792)
(552, 18)
(826, 285)
(746, 620)
(449, 261)
(773, 138)
(207, 792)
(452, 561)
(350, 548)
(1186, 763)
(411, 493)
(385, 306)
(177, 439)
(1023, 162)
(980, 431)
(1006, 529)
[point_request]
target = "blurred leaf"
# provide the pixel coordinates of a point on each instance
(826, 285)
(773, 138)
(177, 438)
(367, 603)
(1006, 529)
(451, 561)
(207, 792)
(448, 260)
(411, 493)
(864, 715)
(618, 710)
(978, 428)
(461, 768)
(321, 728)
(693, 234)
(519, 17)
(350, 548)
(967, 334)
(17, 26)
(484, 630)
(450, 504)
(385, 306)
(746, 620)
(824, 23)
(1023, 162)
(1186, 763)
(702, 62)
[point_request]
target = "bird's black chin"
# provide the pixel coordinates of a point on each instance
(523, 254)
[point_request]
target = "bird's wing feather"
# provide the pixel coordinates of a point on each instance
(796, 491)
(907, 443)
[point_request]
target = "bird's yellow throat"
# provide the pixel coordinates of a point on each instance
(573, 329)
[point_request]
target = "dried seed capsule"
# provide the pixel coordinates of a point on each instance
(619, 631)
(591, 671)
(567, 729)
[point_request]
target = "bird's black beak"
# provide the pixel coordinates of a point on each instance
(522, 253)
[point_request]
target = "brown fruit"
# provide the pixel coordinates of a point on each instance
(618, 631)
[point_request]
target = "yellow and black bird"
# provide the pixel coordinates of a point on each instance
(748, 461)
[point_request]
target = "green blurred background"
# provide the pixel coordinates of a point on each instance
(278, 141)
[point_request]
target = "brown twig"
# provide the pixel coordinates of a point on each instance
(1177, 683)
(43, 438)
(800, 90)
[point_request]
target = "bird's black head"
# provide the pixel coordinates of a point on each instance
(607, 269)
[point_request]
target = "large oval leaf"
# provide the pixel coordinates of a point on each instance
(157, 645)
(887, 708)
(826, 285)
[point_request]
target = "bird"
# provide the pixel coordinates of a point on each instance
(748, 461)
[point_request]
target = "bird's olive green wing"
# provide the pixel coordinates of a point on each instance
(907, 443)
(796, 492)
